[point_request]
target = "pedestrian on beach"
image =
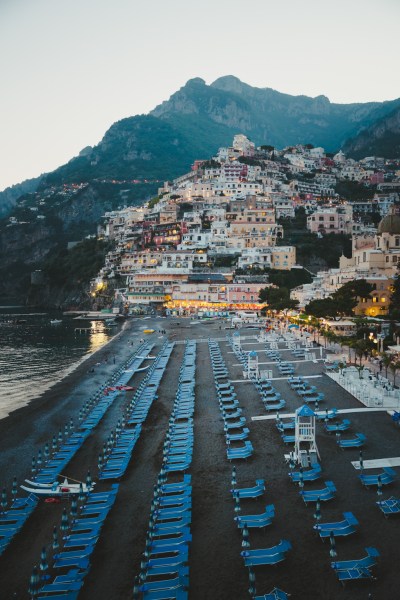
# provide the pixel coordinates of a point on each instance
(380, 366)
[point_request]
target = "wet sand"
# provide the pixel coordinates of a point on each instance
(216, 567)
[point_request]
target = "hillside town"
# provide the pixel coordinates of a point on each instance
(207, 242)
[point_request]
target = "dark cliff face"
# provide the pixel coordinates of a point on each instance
(380, 139)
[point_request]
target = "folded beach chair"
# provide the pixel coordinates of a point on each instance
(391, 506)
(353, 574)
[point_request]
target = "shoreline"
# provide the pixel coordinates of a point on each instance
(62, 391)
(69, 371)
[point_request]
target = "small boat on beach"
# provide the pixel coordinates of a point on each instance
(55, 321)
(56, 489)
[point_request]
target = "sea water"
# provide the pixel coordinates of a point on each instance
(34, 354)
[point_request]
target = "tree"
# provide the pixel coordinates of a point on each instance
(325, 308)
(394, 367)
(277, 299)
(386, 360)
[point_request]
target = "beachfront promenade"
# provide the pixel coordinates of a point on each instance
(216, 567)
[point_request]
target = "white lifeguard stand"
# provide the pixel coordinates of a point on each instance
(236, 342)
(305, 447)
(252, 365)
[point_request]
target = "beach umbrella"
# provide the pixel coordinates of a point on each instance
(88, 480)
(80, 414)
(332, 551)
(66, 429)
(55, 544)
(14, 490)
(136, 587)
(379, 490)
(233, 480)
(147, 547)
(46, 451)
(71, 424)
(60, 436)
(317, 514)
(337, 434)
(245, 537)
(39, 457)
(64, 521)
(278, 417)
(316, 404)
(237, 503)
(54, 443)
(252, 583)
(33, 467)
(43, 565)
(4, 499)
(100, 462)
(74, 506)
(301, 478)
(361, 461)
(81, 495)
(34, 583)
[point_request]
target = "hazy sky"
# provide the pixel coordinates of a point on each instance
(70, 68)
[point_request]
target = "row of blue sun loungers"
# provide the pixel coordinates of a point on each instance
(236, 432)
(271, 399)
(23, 507)
(78, 547)
(147, 390)
(119, 457)
(164, 568)
(178, 447)
(98, 412)
(12, 520)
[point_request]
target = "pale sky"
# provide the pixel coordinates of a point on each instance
(70, 68)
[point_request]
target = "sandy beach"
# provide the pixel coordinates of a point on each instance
(216, 567)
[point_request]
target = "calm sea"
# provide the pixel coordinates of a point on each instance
(34, 355)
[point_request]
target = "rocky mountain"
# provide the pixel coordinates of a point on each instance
(9, 196)
(266, 116)
(382, 138)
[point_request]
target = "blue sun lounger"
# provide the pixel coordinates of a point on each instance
(343, 426)
(391, 506)
(356, 442)
(166, 584)
(244, 452)
(266, 556)
(175, 594)
(260, 520)
(365, 563)
(327, 415)
(310, 475)
(66, 596)
(387, 476)
(353, 574)
(325, 529)
(323, 495)
(250, 492)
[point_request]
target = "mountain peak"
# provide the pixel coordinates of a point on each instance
(229, 83)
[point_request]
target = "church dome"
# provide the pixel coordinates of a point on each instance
(390, 224)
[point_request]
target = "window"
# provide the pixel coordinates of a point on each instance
(331, 218)
(374, 299)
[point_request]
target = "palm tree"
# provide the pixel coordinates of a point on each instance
(386, 360)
